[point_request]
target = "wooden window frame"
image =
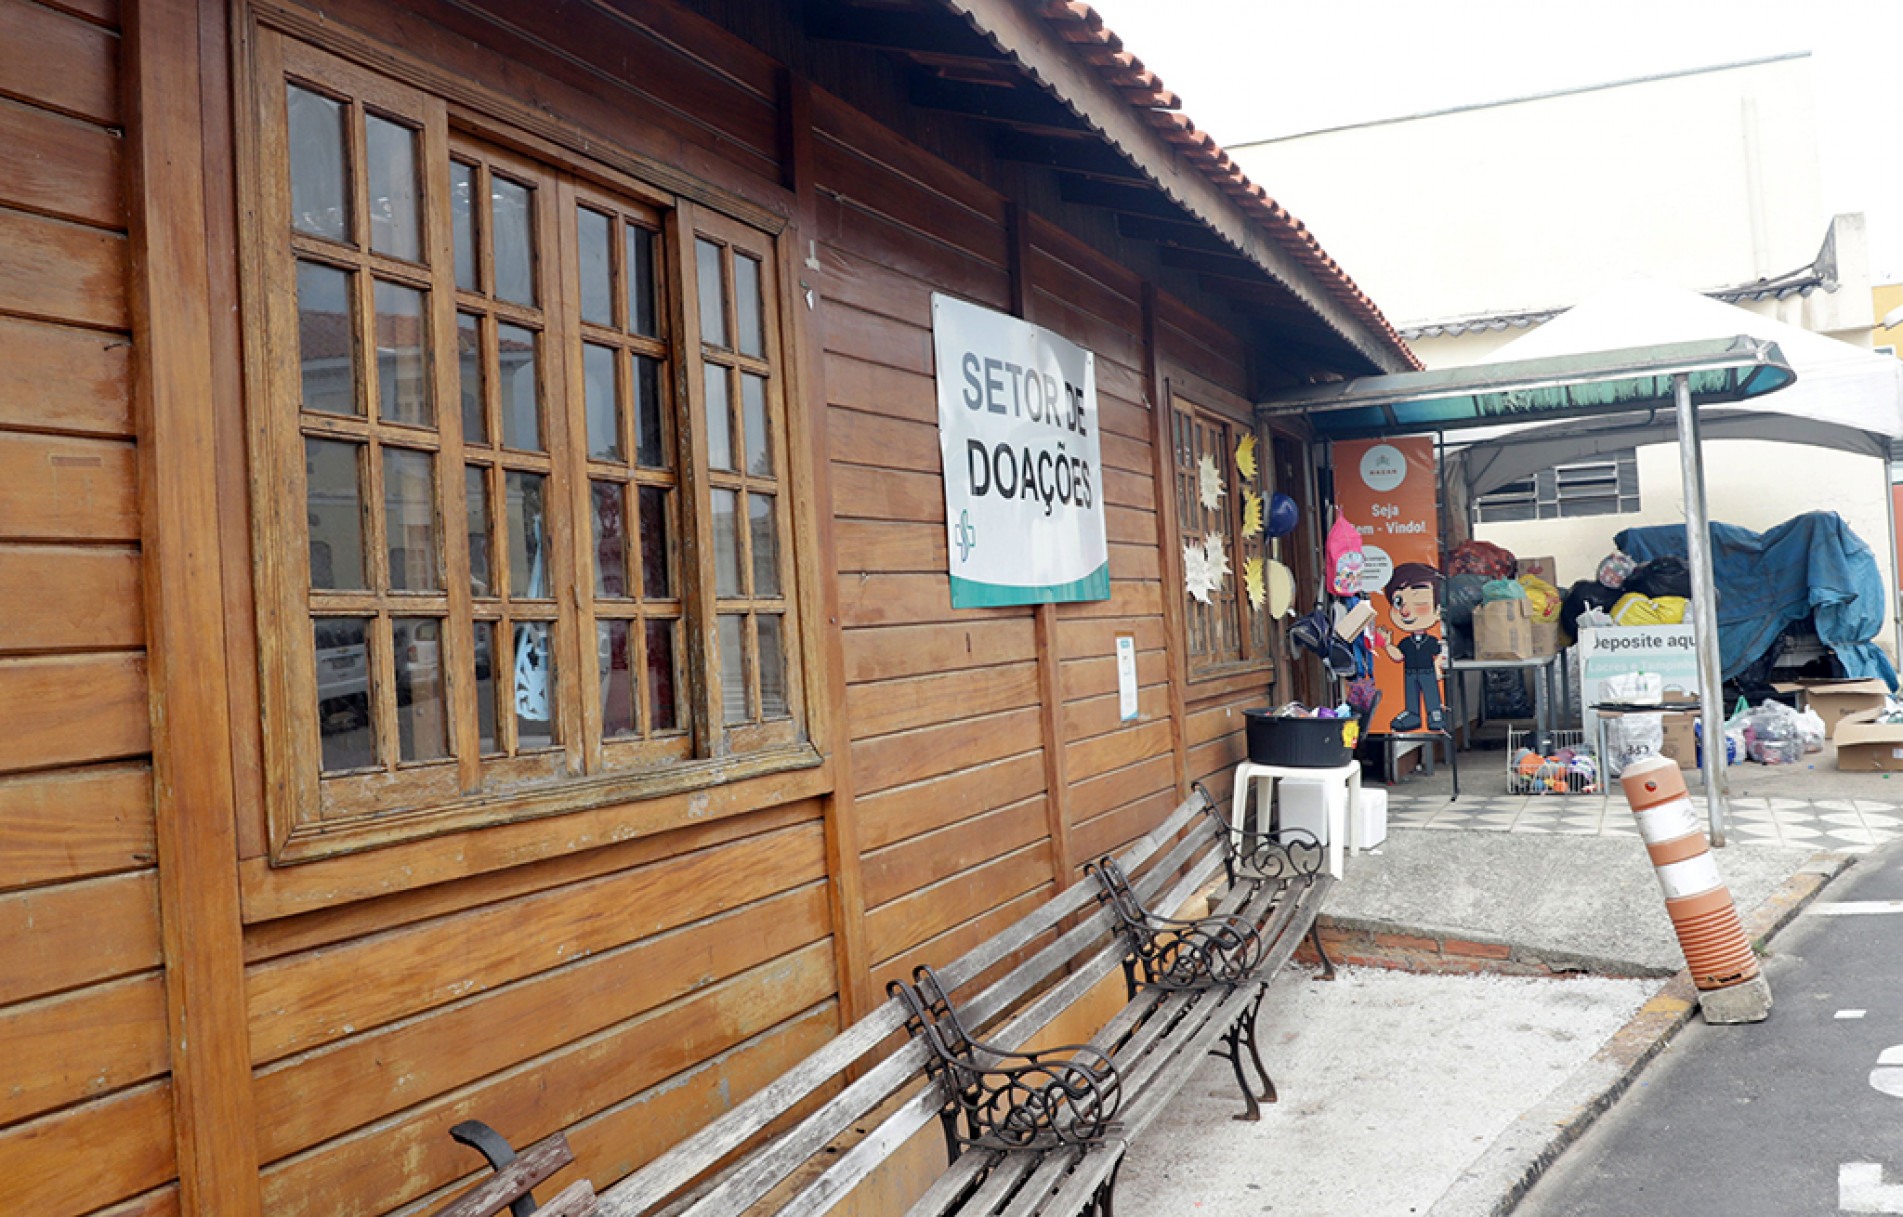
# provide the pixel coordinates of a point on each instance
(307, 816)
(1190, 415)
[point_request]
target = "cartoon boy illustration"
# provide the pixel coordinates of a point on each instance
(1413, 593)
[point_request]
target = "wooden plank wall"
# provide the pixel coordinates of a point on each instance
(945, 709)
(85, 1110)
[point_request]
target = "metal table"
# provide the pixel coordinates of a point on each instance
(1543, 668)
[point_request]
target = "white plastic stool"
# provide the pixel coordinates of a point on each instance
(1349, 774)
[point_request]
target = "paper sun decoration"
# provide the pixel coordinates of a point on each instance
(1210, 479)
(1255, 582)
(1245, 456)
(1251, 513)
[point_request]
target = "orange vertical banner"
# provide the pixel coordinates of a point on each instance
(1388, 491)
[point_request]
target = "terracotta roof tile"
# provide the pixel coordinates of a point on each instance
(1082, 26)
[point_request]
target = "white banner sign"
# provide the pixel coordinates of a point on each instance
(1669, 652)
(1017, 432)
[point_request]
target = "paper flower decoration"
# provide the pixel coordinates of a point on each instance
(1199, 580)
(1245, 457)
(1210, 479)
(1218, 560)
(1255, 583)
(1251, 514)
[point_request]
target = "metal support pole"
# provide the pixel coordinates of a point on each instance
(1711, 695)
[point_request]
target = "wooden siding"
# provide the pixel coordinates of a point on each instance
(627, 973)
(85, 1115)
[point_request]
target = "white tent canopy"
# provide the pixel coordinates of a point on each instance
(1845, 397)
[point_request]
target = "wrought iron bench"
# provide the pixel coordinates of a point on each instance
(1027, 1132)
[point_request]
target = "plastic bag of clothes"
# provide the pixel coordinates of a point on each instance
(1502, 589)
(1460, 596)
(1661, 577)
(1614, 568)
(1774, 734)
(1632, 737)
(1482, 558)
(1635, 609)
(1542, 598)
(1583, 595)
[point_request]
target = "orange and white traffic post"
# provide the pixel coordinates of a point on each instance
(1723, 966)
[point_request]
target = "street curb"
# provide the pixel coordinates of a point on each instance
(1495, 1182)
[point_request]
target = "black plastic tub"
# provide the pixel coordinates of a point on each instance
(1310, 743)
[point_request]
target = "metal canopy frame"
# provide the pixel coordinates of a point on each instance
(1683, 376)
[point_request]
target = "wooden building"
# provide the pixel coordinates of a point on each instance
(400, 723)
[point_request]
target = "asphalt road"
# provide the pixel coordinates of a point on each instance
(1800, 1115)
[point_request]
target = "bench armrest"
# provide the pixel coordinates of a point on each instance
(1262, 857)
(1172, 953)
(1004, 1100)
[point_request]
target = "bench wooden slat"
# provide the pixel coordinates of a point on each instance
(514, 1179)
(945, 1190)
(862, 1158)
(671, 1171)
(1020, 933)
(575, 1200)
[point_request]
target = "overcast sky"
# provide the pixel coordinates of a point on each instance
(1256, 69)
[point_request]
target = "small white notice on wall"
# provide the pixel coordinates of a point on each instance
(1127, 678)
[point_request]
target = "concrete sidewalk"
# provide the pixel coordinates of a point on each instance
(1404, 1092)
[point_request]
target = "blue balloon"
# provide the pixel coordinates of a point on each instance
(1283, 515)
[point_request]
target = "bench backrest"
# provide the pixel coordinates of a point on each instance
(885, 1099)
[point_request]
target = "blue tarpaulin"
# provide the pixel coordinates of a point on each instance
(1810, 564)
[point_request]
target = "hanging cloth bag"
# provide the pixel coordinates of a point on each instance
(1344, 557)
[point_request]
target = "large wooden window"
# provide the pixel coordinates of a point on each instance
(1227, 631)
(524, 525)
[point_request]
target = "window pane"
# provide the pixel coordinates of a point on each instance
(403, 373)
(462, 222)
(320, 177)
(596, 237)
(343, 693)
(521, 393)
(753, 407)
(481, 561)
(614, 649)
(749, 317)
(766, 545)
(726, 505)
(662, 715)
(650, 448)
(719, 418)
(641, 312)
(611, 539)
(713, 293)
(656, 582)
(528, 536)
(535, 700)
(604, 418)
(326, 340)
(334, 496)
(512, 215)
(488, 741)
(422, 708)
(409, 520)
(733, 668)
(772, 667)
(469, 370)
(390, 149)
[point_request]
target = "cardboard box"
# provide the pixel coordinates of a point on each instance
(1544, 568)
(1867, 746)
(1503, 629)
(1836, 700)
(1546, 637)
(1679, 733)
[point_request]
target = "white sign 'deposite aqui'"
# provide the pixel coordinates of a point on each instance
(1018, 436)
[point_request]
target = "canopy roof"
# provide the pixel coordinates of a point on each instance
(1551, 388)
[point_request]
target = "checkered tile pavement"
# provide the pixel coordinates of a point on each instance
(1846, 825)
